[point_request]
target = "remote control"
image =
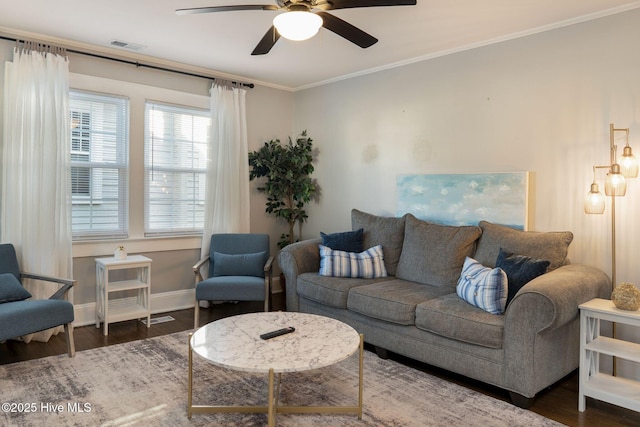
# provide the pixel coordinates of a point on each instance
(277, 333)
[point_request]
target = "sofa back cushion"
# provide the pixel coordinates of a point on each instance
(387, 232)
(551, 246)
(433, 254)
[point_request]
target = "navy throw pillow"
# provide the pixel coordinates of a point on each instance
(520, 270)
(348, 241)
(11, 289)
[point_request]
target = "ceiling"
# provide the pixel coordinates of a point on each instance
(223, 41)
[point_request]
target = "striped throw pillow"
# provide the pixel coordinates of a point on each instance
(483, 287)
(368, 264)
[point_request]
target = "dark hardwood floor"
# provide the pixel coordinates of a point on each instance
(559, 402)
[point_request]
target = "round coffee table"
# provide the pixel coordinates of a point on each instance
(235, 343)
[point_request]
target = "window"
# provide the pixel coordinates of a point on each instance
(99, 165)
(175, 161)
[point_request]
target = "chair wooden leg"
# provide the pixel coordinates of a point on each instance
(267, 292)
(71, 346)
(196, 315)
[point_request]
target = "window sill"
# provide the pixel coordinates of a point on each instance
(94, 248)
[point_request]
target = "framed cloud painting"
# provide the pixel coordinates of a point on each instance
(465, 199)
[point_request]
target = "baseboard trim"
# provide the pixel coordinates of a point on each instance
(85, 314)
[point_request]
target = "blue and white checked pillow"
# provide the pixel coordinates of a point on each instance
(368, 264)
(483, 287)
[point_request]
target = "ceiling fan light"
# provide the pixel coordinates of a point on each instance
(297, 25)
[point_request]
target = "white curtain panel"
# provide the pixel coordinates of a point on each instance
(36, 193)
(227, 187)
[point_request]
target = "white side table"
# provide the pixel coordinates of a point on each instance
(109, 310)
(593, 383)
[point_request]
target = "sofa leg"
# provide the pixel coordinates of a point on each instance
(382, 353)
(521, 401)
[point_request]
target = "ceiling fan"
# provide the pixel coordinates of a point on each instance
(314, 13)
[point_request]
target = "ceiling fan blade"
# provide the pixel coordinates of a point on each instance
(348, 4)
(267, 42)
(346, 30)
(226, 8)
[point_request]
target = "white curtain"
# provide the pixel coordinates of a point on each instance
(36, 193)
(227, 188)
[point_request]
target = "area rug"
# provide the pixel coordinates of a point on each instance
(145, 383)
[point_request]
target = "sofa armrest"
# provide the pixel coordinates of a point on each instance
(295, 259)
(553, 298)
(541, 326)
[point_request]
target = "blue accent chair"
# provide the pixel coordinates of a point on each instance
(240, 269)
(21, 315)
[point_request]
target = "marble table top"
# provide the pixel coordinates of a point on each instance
(235, 343)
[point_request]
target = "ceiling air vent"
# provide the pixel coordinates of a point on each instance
(127, 45)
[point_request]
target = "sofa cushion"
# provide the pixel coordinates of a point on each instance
(552, 246)
(11, 289)
(483, 287)
(368, 264)
(330, 291)
(348, 241)
(393, 301)
(385, 231)
(433, 254)
(520, 270)
(451, 317)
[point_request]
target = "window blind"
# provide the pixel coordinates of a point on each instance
(175, 153)
(99, 165)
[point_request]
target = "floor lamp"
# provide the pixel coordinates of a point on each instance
(615, 186)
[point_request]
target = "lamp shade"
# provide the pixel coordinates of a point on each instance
(615, 184)
(594, 202)
(297, 25)
(628, 163)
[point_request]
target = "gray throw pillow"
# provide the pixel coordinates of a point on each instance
(239, 265)
(387, 232)
(551, 246)
(11, 289)
(433, 254)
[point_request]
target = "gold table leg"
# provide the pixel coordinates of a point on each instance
(190, 381)
(361, 378)
(271, 416)
(272, 408)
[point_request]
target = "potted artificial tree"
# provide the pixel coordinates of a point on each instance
(287, 185)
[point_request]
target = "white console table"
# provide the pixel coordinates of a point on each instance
(593, 383)
(109, 310)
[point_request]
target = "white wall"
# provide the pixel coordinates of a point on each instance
(541, 103)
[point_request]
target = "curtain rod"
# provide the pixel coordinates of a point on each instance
(139, 64)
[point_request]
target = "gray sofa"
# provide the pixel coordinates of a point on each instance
(416, 312)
